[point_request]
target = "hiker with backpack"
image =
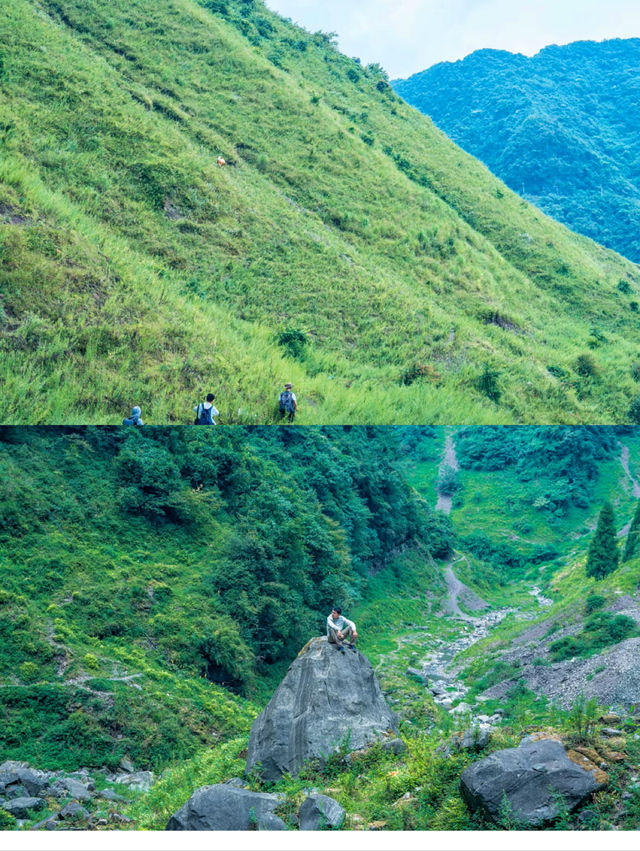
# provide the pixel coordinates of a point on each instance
(288, 403)
(205, 412)
(134, 419)
(339, 629)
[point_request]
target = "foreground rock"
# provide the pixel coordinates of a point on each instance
(319, 812)
(23, 807)
(530, 778)
(327, 699)
(224, 807)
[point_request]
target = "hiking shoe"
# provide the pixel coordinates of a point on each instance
(342, 650)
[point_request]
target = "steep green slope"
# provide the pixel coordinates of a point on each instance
(561, 127)
(421, 289)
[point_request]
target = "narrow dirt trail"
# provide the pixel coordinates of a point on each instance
(624, 460)
(445, 501)
(445, 504)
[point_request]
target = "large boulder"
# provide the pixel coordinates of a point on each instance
(19, 776)
(533, 779)
(327, 699)
(223, 807)
(21, 807)
(319, 812)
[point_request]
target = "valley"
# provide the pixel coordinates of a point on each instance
(467, 633)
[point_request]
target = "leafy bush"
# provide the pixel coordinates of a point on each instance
(419, 371)
(150, 481)
(634, 411)
(448, 481)
(586, 366)
(582, 718)
(7, 821)
(294, 342)
(601, 630)
(28, 671)
(488, 383)
(593, 603)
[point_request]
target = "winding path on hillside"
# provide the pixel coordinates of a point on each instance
(625, 456)
(445, 503)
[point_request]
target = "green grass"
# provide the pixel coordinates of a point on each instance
(160, 275)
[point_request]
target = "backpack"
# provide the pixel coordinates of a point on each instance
(204, 415)
(286, 402)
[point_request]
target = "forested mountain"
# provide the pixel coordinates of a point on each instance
(346, 245)
(560, 128)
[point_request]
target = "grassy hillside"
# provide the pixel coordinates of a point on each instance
(348, 246)
(559, 127)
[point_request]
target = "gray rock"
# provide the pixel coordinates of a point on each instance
(73, 811)
(325, 700)
(35, 782)
(12, 765)
(475, 738)
(611, 733)
(396, 746)
(126, 764)
(16, 791)
(612, 677)
(75, 788)
(530, 778)
(141, 780)
(118, 817)
(237, 782)
(419, 675)
(20, 807)
(110, 795)
(50, 823)
(223, 807)
(57, 790)
(319, 812)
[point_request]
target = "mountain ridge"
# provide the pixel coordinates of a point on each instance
(556, 126)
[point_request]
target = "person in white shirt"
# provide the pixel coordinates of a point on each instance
(339, 629)
(206, 411)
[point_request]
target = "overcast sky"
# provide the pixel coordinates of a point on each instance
(406, 36)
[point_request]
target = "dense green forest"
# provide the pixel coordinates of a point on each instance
(187, 554)
(347, 245)
(560, 128)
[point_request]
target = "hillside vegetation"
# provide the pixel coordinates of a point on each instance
(347, 246)
(147, 577)
(560, 128)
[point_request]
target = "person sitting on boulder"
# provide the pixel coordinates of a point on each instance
(339, 629)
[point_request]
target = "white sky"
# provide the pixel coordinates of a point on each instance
(406, 36)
